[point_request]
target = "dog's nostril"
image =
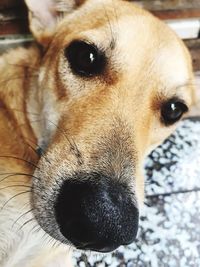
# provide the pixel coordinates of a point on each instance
(96, 214)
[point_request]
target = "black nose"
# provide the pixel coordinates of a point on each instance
(95, 213)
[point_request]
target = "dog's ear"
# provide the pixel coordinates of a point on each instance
(44, 15)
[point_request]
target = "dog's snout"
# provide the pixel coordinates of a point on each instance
(96, 214)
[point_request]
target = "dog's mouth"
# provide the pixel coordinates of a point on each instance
(90, 211)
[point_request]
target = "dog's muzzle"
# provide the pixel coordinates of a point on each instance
(96, 213)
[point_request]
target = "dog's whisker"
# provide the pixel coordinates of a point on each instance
(73, 146)
(16, 185)
(32, 148)
(77, 152)
(42, 152)
(13, 197)
(21, 159)
(27, 222)
(47, 238)
(21, 216)
(55, 243)
(13, 173)
(16, 174)
(36, 228)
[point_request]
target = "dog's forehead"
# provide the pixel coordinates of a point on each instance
(140, 42)
(172, 64)
(143, 42)
(147, 43)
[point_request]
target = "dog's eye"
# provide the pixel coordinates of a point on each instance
(85, 59)
(172, 111)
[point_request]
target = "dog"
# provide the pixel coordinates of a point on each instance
(104, 83)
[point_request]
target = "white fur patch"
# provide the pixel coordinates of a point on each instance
(172, 67)
(26, 246)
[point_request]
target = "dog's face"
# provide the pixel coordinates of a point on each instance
(113, 83)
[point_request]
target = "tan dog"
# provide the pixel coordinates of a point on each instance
(80, 109)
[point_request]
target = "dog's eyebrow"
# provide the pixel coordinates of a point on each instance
(168, 92)
(175, 88)
(187, 83)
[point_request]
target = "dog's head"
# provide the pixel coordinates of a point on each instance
(113, 83)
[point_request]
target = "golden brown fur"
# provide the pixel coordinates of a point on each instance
(43, 103)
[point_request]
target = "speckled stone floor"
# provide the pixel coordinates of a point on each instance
(169, 234)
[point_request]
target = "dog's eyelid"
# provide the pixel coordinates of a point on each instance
(176, 99)
(97, 46)
(163, 98)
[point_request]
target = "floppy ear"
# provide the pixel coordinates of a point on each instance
(44, 15)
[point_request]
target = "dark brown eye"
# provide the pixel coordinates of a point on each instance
(172, 111)
(85, 59)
